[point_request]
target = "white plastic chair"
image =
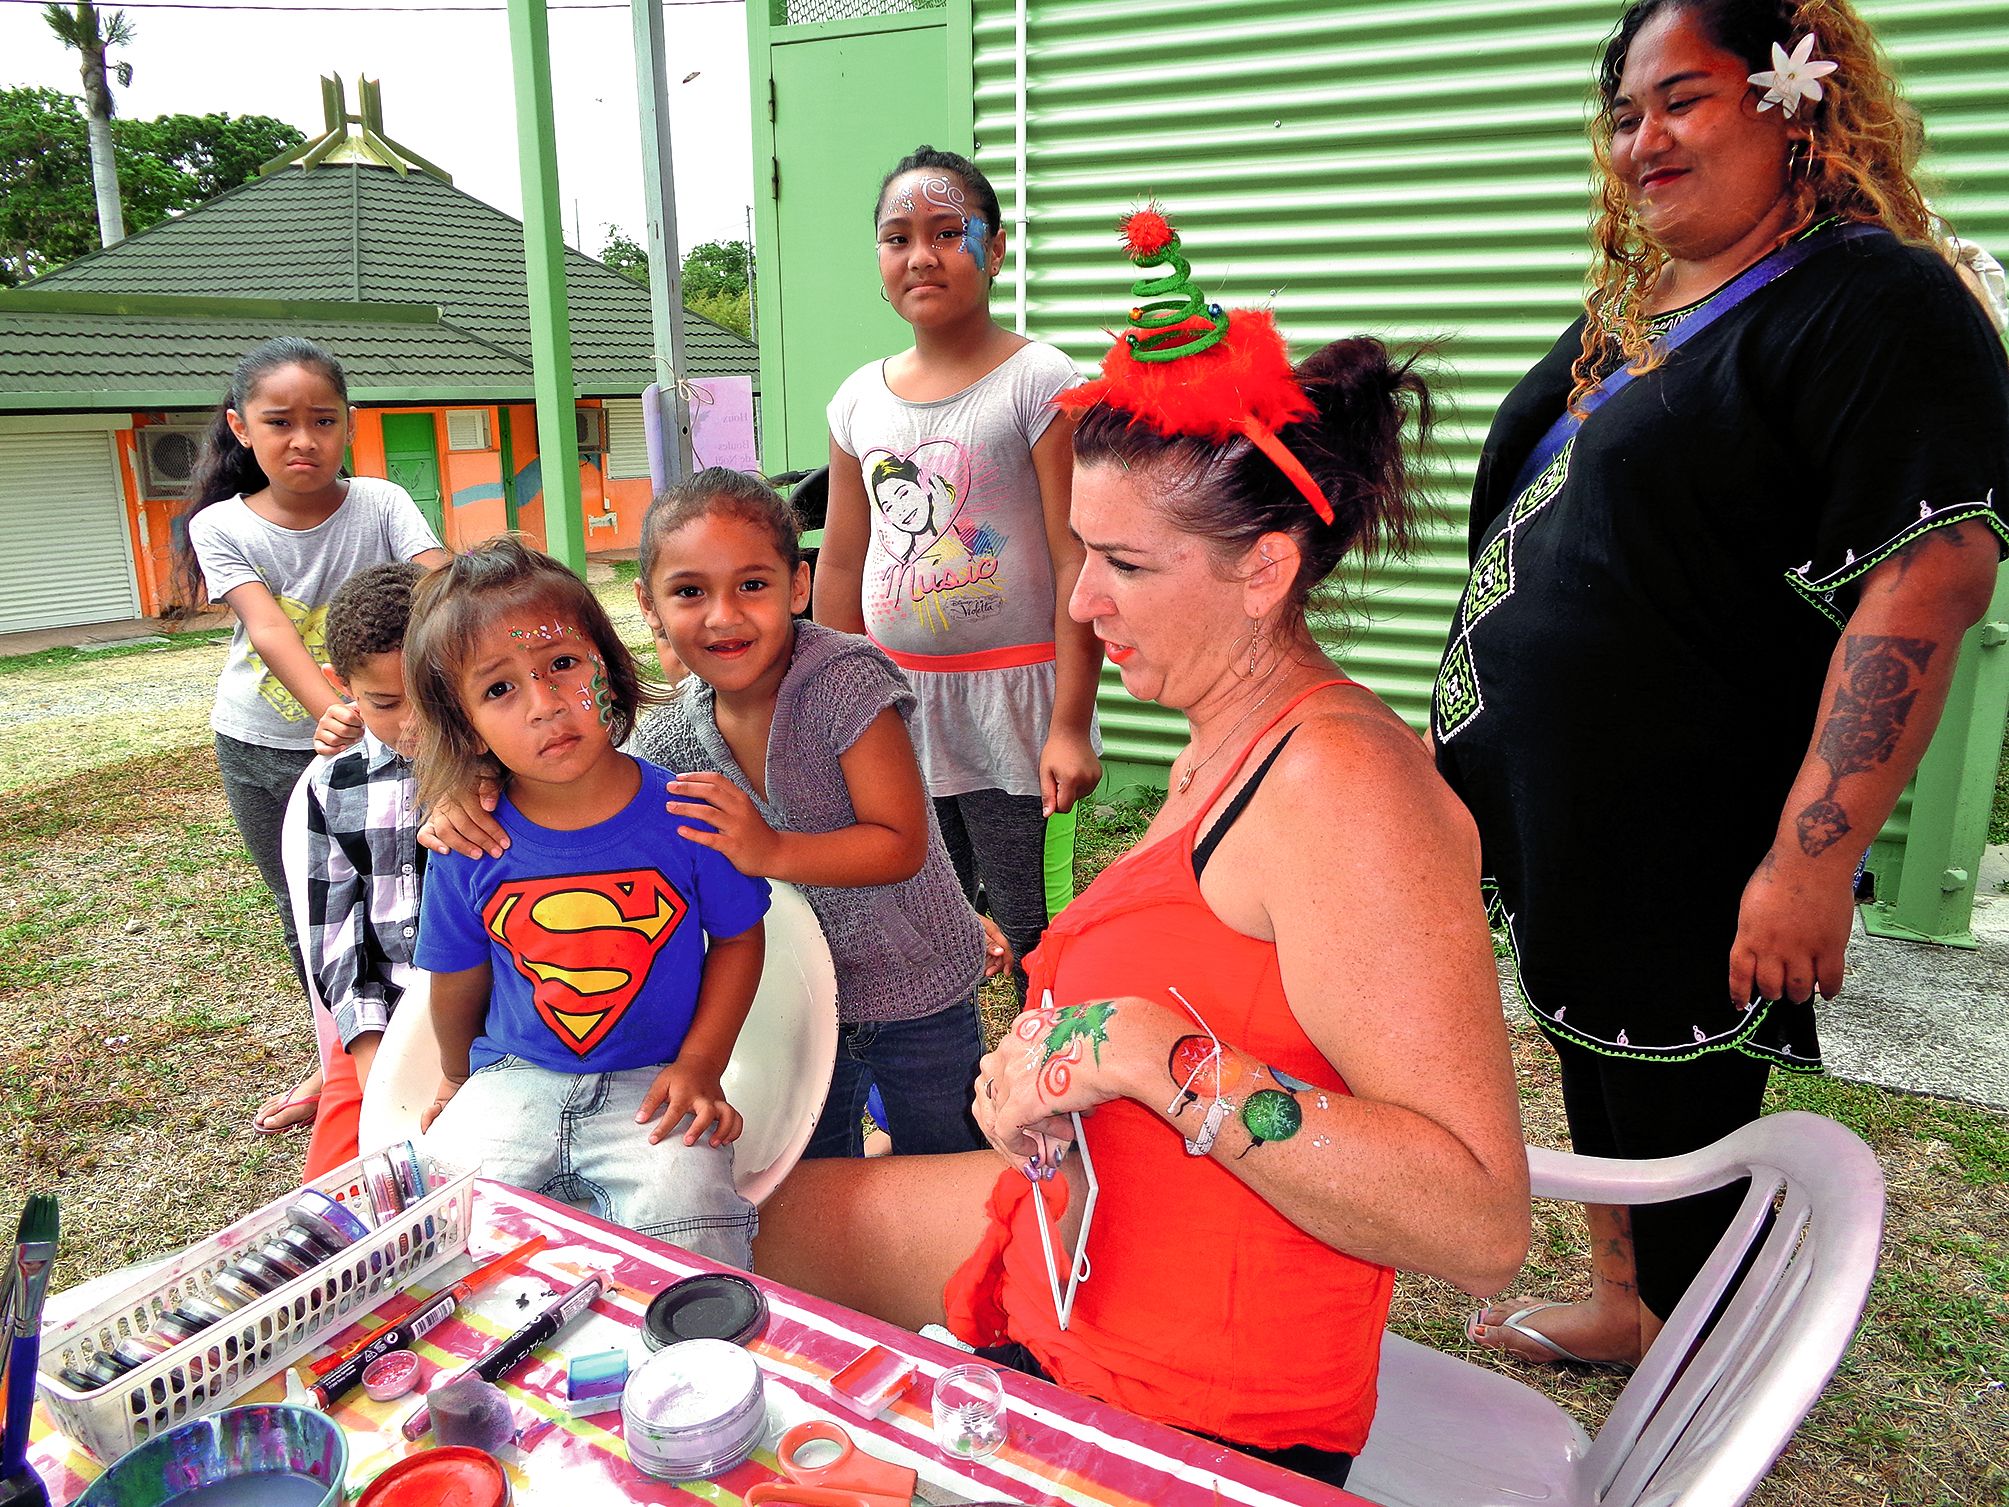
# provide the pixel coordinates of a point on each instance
(778, 1077)
(1697, 1425)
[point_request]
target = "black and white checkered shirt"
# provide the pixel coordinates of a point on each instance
(364, 865)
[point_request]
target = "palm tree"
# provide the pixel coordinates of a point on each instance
(91, 32)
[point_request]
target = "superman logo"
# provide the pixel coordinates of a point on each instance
(586, 943)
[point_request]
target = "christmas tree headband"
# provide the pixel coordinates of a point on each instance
(1186, 367)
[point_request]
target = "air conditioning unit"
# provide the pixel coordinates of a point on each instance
(467, 429)
(592, 430)
(167, 459)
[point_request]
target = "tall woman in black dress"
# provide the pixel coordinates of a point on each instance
(1708, 634)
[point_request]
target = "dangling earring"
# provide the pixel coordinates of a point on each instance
(1257, 637)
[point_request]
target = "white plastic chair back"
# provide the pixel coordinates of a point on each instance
(1705, 1415)
(778, 1077)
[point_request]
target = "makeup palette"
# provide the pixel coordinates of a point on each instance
(694, 1410)
(710, 1306)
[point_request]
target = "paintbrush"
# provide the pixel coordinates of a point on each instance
(34, 1257)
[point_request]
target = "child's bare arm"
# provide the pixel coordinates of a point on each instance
(467, 827)
(887, 843)
(279, 644)
(459, 1005)
(839, 599)
(1068, 767)
(690, 1085)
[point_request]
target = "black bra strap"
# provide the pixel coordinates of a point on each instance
(1204, 848)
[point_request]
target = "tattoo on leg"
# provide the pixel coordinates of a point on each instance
(1864, 726)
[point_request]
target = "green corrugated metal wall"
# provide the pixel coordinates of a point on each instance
(1414, 170)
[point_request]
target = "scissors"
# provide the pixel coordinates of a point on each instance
(851, 1479)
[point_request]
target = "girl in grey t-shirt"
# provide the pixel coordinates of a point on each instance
(272, 531)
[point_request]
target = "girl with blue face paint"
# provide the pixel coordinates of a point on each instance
(947, 542)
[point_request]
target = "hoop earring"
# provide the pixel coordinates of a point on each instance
(1257, 637)
(884, 296)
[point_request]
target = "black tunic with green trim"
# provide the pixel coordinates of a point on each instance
(1636, 665)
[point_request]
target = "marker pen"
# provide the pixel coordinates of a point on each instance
(504, 1358)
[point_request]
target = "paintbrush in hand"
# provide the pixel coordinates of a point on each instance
(34, 1257)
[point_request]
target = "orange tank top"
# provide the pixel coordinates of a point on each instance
(1204, 1307)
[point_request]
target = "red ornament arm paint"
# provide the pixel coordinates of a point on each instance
(459, 1005)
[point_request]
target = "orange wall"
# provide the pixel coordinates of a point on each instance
(471, 481)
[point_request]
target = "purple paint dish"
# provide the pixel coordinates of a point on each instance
(333, 1224)
(266, 1455)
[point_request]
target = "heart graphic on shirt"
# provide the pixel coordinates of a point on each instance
(916, 496)
(586, 943)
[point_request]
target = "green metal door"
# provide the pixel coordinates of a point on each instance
(411, 459)
(848, 88)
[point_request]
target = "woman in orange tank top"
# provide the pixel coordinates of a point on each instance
(1278, 1015)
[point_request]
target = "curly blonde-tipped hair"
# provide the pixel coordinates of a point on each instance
(1856, 163)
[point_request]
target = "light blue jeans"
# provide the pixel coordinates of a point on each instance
(573, 1137)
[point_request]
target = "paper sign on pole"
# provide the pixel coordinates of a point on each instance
(722, 423)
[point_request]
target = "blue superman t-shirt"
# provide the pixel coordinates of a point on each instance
(594, 937)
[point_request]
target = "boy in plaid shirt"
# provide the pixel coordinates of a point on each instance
(364, 863)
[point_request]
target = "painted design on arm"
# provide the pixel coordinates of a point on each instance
(1270, 1114)
(1864, 725)
(1055, 1041)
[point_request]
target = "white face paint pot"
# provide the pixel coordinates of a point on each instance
(694, 1410)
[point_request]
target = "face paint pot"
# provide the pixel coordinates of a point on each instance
(454, 1473)
(386, 1196)
(305, 1248)
(710, 1306)
(327, 1221)
(694, 1410)
(284, 1259)
(391, 1375)
(259, 1272)
(409, 1170)
(200, 1313)
(266, 1455)
(237, 1291)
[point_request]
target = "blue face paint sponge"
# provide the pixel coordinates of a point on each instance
(594, 1382)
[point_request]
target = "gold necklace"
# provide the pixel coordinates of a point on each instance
(1186, 779)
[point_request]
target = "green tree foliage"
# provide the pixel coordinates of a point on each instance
(716, 267)
(166, 167)
(715, 277)
(625, 256)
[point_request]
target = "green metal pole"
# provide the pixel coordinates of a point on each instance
(544, 262)
(1933, 899)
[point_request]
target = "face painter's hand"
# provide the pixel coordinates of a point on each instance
(687, 1088)
(728, 821)
(453, 826)
(339, 726)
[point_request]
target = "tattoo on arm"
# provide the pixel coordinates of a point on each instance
(1054, 1040)
(1881, 681)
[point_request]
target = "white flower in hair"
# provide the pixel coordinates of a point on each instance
(1795, 80)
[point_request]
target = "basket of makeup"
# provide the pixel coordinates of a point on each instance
(198, 1331)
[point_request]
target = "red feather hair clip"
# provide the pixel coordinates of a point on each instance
(1186, 368)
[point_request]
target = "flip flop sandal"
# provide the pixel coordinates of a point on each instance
(311, 1103)
(1517, 1321)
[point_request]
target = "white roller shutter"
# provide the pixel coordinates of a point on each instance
(64, 553)
(627, 443)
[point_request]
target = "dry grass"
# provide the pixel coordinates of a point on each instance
(146, 1006)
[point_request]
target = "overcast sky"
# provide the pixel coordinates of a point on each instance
(447, 91)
